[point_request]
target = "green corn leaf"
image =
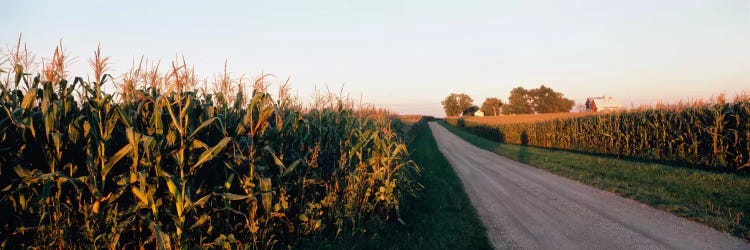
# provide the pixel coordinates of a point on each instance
(22, 172)
(121, 116)
(202, 220)
(185, 109)
(202, 126)
(247, 123)
(211, 153)
(235, 197)
(172, 186)
(133, 139)
(22, 201)
(50, 118)
(228, 182)
(202, 201)
(291, 167)
(162, 239)
(115, 158)
(140, 195)
(175, 120)
(156, 121)
(276, 159)
(179, 205)
(198, 144)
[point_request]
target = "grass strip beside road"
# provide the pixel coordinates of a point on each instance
(719, 200)
(440, 217)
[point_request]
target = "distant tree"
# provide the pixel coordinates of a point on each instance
(454, 104)
(519, 102)
(491, 106)
(470, 110)
(546, 100)
(539, 100)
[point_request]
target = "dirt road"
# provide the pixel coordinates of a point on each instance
(527, 208)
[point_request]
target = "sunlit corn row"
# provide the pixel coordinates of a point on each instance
(711, 135)
(164, 165)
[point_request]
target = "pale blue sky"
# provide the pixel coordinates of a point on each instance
(409, 55)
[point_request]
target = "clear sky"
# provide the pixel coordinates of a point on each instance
(409, 55)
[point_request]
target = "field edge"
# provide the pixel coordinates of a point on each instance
(711, 198)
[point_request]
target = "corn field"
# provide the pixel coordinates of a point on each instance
(164, 164)
(711, 135)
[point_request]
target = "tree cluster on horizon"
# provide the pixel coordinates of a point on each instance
(455, 104)
(491, 106)
(520, 101)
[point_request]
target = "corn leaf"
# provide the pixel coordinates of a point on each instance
(291, 167)
(202, 126)
(115, 158)
(211, 153)
(235, 197)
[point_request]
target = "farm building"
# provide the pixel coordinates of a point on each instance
(602, 103)
(479, 113)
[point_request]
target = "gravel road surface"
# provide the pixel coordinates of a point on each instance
(527, 208)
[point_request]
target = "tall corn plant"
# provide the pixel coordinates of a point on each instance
(179, 168)
(713, 136)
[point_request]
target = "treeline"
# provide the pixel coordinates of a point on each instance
(715, 136)
(520, 101)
